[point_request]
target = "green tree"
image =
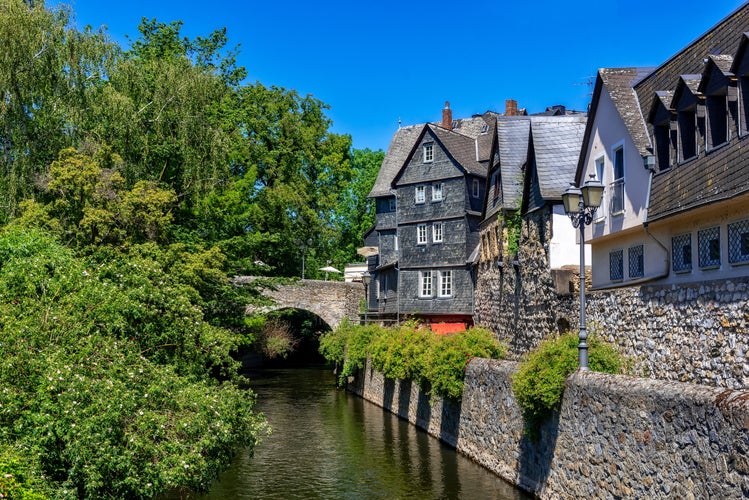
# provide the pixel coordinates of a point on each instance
(49, 77)
(355, 213)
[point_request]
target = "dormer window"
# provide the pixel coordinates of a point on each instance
(744, 103)
(475, 191)
(428, 152)
(662, 135)
(717, 120)
(687, 125)
(689, 104)
(664, 124)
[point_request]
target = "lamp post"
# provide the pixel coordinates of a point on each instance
(580, 204)
(303, 246)
(366, 279)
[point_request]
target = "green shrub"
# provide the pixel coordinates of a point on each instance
(105, 377)
(17, 479)
(449, 355)
(401, 353)
(538, 384)
(411, 352)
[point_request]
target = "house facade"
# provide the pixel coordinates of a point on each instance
(670, 146)
(429, 196)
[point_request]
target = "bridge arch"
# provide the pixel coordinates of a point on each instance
(331, 301)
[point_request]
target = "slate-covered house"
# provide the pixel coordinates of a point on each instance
(670, 145)
(429, 195)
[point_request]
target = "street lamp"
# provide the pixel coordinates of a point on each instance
(580, 204)
(366, 279)
(303, 246)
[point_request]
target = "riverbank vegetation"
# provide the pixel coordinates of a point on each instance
(413, 352)
(538, 385)
(134, 182)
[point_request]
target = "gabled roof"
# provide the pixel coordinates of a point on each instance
(663, 100)
(556, 143)
(403, 142)
(513, 134)
(687, 83)
(619, 83)
(740, 53)
(463, 149)
(708, 178)
(400, 147)
(718, 68)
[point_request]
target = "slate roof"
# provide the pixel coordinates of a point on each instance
(475, 128)
(723, 63)
(619, 83)
(399, 149)
(708, 178)
(557, 142)
(513, 134)
(463, 148)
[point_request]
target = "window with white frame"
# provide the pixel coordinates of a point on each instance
(425, 283)
(738, 242)
(708, 245)
(475, 190)
(616, 265)
(420, 194)
(437, 192)
(744, 104)
(717, 120)
(617, 186)
(681, 253)
(636, 257)
(437, 232)
(421, 234)
(600, 170)
(662, 136)
(446, 283)
(687, 125)
(428, 152)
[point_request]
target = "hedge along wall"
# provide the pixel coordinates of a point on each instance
(614, 436)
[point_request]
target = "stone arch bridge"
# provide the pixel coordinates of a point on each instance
(332, 301)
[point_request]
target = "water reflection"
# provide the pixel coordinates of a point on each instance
(330, 444)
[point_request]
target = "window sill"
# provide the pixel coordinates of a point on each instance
(686, 160)
(740, 263)
(710, 268)
(600, 220)
(620, 213)
(683, 271)
(717, 147)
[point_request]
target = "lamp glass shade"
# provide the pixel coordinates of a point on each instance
(366, 277)
(571, 200)
(592, 192)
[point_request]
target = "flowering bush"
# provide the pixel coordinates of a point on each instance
(105, 374)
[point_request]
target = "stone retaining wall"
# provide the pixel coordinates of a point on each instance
(614, 436)
(691, 332)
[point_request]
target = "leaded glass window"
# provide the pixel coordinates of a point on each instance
(708, 241)
(636, 261)
(616, 265)
(738, 242)
(681, 253)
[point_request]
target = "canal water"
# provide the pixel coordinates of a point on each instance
(329, 444)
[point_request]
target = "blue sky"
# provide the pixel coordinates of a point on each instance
(377, 62)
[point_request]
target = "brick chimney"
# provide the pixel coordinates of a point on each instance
(511, 107)
(447, 117)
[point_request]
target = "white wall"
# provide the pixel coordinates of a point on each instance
(564, 247)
